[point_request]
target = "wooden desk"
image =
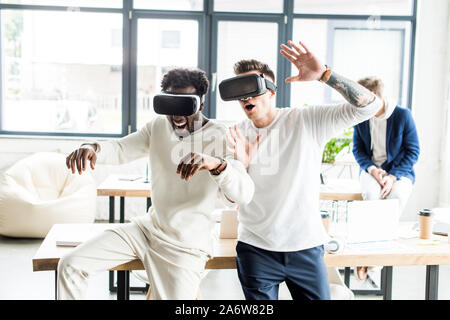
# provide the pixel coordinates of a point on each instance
(340, 190)
(224, 257)
(113, 187)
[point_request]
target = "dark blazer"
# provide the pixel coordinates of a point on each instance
(402, 144)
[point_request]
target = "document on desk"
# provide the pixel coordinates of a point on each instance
(74, 236)
(387, 246)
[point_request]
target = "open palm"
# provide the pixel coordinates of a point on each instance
(308, 66)
(243, 149)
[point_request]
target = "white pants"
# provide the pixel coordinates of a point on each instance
(371, 189)
(173, 272)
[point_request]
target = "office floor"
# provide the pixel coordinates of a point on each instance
(18, 281)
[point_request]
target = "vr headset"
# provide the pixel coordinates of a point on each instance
(246, 86)
(172, 104)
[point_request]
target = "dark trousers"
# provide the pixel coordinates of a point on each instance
(261, 272)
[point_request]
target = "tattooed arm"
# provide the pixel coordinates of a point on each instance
(352, 91)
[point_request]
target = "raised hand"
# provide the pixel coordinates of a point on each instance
(77, 160)
(309, 67)
(243, 149)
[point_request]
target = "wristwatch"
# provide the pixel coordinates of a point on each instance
(217, 170)
(326, 75)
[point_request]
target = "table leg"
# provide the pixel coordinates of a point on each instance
(111, 209)
(56, 285)
(122, 210)
(432, 280)
(347, 272)
(123, 285)
(149, 203)
(386, 282)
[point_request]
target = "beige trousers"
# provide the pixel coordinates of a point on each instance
(173, 272)
(371, 189)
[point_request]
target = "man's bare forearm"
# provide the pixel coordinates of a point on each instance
(353, 92)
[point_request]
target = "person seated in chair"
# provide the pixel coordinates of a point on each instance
(386, 148)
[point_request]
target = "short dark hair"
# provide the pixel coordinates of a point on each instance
(243, 66)
(374, 84)
(183, 77)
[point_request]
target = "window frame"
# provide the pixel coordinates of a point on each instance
(208, 20)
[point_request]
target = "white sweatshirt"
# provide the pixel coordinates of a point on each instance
(284, 213)
(181, 212)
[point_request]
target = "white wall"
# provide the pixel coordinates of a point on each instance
(429, 103)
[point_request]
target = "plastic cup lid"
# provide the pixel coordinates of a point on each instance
(425, 212)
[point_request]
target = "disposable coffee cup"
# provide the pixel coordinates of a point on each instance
(425, 223)
(325, 219)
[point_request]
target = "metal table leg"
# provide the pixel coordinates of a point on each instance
(122, 210)
(432, 280)
(56, 285)
(123, 285)
(111, 209)
(386, 282)
(149, 203)
(347, 272)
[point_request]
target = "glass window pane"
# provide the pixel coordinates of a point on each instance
(237, 41)
(69, 3)
(313, 33)
(162, 45)
(365, 7)
(374, 53)
(62, 70)
(273, 6)
(194, 5)
(381, 52)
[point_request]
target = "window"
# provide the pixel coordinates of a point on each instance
(275, 6)
(195, 5)
(348, 7)
(92, 67)
(60, 79)
(179, 47)
(70, 3)
(380, 50)
(261, 43)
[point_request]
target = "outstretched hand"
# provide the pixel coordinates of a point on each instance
(309, 67)
(77, 160)
(193, 162)
(243, 149)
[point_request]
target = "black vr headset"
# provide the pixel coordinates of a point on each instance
(246, 86)
(173, 104)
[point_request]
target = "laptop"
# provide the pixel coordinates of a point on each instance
(229, 224)
(372, 220)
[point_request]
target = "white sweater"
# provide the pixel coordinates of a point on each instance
(284, 213)
(181, 212)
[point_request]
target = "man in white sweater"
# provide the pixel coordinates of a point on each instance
(281, 235)
(189, 164)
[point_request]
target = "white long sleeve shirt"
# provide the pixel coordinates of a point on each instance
(181, 212)
(284, 213)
